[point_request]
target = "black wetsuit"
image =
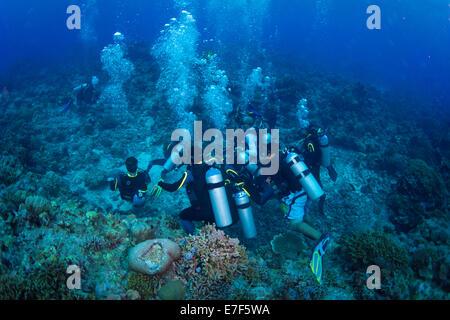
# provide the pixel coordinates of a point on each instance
(312, 153)
(285, 180)
(313, 156)
(129, 185)
(197, 191)
(87, 95)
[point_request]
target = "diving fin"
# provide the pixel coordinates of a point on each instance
(316, 260)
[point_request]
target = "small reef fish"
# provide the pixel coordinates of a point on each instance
(66, 106)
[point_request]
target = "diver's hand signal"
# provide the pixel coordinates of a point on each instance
(156, 191)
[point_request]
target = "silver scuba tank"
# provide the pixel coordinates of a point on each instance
(253, 169)
(302, 172)
(245, 214)
(218, 198)
(325, 149)
(169, 165)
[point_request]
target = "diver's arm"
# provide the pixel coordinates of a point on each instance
(145, 183)
(113, 183)
(158, 162)
(172, 187)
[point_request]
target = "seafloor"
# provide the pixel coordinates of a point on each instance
(389, 206)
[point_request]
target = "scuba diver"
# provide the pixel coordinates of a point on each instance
(315, 150)
(216, 194)
(254, 119)
(167, 162)
(84, 95)
(132, 185)
(295, 185)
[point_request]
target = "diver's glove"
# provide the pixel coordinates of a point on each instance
(332, 173)
(156, 191)
(284, 208)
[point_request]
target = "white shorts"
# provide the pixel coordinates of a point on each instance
(295, 203)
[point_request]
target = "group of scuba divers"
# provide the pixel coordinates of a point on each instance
(222, 194)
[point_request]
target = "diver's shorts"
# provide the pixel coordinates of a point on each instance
(295, 203)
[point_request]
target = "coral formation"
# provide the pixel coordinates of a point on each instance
(153, 256)
(146, 286)
(419, 191)
(10, 169)
(173, 290)
(373, 247)
(210, 261)
(289, 245)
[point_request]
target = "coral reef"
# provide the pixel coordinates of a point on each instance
(210, 262)
(419, 191)
(56, 208)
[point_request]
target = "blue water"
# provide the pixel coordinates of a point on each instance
(410, 53)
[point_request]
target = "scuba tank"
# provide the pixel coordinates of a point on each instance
(252, 141)
(169, 165)
(253, 169)
(245, 214)
(325, 160)
(218, 198)
(306, 179)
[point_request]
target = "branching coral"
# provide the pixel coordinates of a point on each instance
(210, 262)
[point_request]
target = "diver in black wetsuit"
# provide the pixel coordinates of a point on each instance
(132, 185)
(315, 150)
(166, 162)
(86, 94)
(197, 190)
